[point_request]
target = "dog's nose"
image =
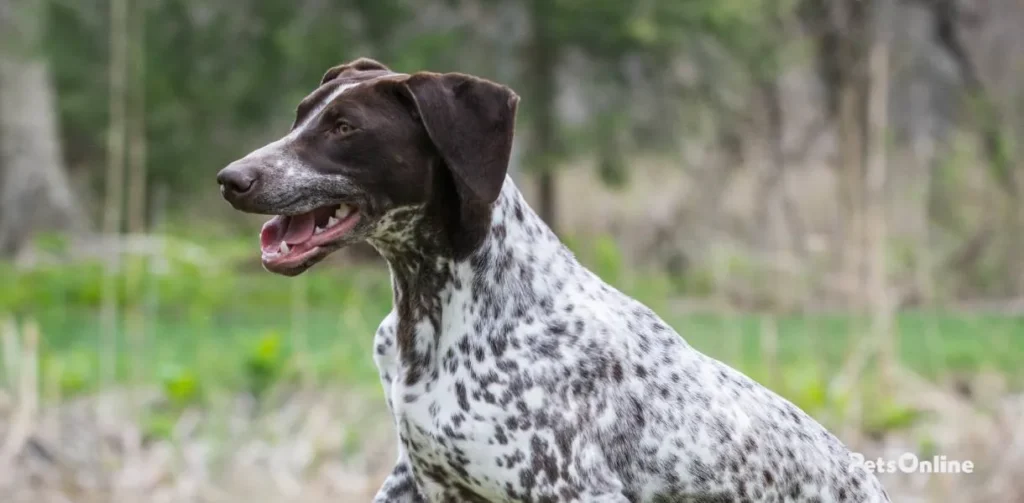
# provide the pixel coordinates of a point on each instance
(237, 179)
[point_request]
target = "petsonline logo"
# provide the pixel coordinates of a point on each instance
(909, 463)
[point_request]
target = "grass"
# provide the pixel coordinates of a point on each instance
(225, 328)
(930, 343)
(336, 344)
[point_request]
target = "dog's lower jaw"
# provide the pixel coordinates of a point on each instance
(290, 245)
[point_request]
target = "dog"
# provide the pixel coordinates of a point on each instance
(512, 372)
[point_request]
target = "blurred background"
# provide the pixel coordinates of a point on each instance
(825, 194)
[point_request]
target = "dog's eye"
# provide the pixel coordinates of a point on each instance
(343, 128)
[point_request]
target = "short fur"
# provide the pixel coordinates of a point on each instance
(513, 373)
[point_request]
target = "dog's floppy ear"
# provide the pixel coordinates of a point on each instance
(471, 122)
(358, 65)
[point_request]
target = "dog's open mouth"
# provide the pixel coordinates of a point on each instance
(290, 241)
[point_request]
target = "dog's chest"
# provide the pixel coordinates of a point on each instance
(445, 425)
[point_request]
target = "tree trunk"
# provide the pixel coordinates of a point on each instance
(35, 192)
(778, 202)
(840, 33)
(114, 193)
(541, 102)
(875, 182)
(922, 153)
(851, 183)
(135, 316)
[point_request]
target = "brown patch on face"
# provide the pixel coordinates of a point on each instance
(369, 138)
(379, 141)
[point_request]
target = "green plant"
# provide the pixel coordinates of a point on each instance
(927, 447)
(607, 260)
(159, 424)
(72, 372)
(887, 416)
(697, 282)
(181, 386)
(264, 363)
(806, 386)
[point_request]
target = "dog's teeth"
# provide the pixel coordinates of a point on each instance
(284, 247)
(342, 211)
(317, 230)
(331, 222)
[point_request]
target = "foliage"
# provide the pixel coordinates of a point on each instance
(808, 387)
(885, 416)
(70, 372)
(185, 281)
(181, 386)
(218, 76)
(264, 364)
(221, 324)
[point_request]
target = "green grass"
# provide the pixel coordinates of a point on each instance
(214, 326)
(929, 343)
(336, 344)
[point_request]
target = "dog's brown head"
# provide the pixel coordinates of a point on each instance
(369, 145)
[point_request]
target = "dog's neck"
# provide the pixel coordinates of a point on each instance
(508, 275)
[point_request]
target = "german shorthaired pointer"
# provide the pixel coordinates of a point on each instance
(513, 373)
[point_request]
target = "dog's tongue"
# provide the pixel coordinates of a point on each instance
(292, 230)
(300, 228)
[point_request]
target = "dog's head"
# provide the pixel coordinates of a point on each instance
(373, 152)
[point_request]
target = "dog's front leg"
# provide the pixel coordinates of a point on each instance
(400, 486)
